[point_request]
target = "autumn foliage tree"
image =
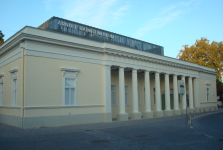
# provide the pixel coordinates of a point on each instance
(206, 54)
(1, 37)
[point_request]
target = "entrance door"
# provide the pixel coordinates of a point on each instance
(163, 102)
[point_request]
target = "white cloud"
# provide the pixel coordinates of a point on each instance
(98, 13)
(166, 15)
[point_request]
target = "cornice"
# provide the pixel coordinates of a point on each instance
(30, 37)
(154, 60)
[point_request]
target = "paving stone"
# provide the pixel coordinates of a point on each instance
(156, 133)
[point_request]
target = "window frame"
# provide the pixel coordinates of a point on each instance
(138, 91)
(14, 91)
(14, 86)
(1, 89)
(127, 95)
(70, 73)
(154, 96)
(144, 95)
(207, 93)
(115, 95)
(69, 87)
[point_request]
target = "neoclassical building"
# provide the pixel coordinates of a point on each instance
(65, 73)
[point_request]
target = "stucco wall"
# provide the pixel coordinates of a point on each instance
(44, 85)
(203, 95)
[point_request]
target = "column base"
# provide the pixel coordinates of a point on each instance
(183, 111)
(148, 114)
(168, 113)
(191, 110)
(197, 109)
(176, 112)
(135, 115)
(122, 117)
(108, 117)
(158, 113)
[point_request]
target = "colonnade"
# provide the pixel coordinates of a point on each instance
(158, 112)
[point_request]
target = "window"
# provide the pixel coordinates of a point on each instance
(69, 86)
(69, 91)
(144, 96)
(14, 92)
(1, 91)
(126, 95)
(14, 85)
(139, 102)
(154, 96)
(208, 94)
(113, 94)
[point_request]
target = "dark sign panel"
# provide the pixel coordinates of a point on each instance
(84, 31)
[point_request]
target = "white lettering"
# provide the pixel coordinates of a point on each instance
(99, 33)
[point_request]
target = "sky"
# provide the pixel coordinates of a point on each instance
(168, 23)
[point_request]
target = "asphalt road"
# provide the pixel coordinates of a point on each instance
(157, 133)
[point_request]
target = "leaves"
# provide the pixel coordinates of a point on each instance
(1, 37)
(204, 53)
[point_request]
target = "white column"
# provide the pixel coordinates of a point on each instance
(147, 113)
(196, 94)
(135, 113)
(158, 112)
(191, 101)
(176, 110)
(167, 111)
(122, 115)
(183, 97)
(107, 93)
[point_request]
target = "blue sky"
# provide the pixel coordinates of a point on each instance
(168, 23)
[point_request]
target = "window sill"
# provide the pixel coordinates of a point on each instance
(207, 102)
(10, 107)
(55, 107)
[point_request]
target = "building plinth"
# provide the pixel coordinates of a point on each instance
(135, 115)
(168, 113)
(176, 112)
(122, 117)
(148, 114)
(158, 113)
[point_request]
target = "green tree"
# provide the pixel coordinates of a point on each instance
(1, 37)
(206, 54)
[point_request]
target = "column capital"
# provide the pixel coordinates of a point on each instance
(167, 74)
(157, 73)
(121, 67)
(147, 71)
(175, 75)
(107, 66)
(134, 70)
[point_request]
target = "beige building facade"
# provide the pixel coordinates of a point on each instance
(52, 79)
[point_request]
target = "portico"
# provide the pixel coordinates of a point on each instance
(147, 102)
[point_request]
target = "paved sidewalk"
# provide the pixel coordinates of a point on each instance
(157, 133)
